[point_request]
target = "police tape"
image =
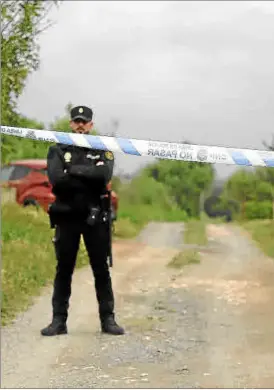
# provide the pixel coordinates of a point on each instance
(156, 149)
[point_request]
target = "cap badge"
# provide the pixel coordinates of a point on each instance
(81, 110)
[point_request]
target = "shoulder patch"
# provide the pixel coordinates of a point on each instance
(109, 155)
(67, 157)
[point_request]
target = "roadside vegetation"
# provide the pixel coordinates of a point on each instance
(254, 192)
(262, 232)
(28, 260)
(195, 232)
(184, 258)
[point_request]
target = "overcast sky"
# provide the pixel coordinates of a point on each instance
(201, 71)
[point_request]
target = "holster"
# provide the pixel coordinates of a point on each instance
(56, 211)
(93, 216)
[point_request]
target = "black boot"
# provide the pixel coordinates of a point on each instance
(58, 326)
(109, 325)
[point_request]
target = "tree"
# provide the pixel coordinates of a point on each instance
(250, 189)
(185, 182)
(267, 174)
(241, 186)
(18, 148)
(269, 146)
(22, 22)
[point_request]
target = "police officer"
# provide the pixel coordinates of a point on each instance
(79, 177)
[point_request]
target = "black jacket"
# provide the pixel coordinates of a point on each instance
(76, 179)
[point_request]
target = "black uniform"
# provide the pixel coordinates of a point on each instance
(78, 184)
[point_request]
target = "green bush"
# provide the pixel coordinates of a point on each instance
(125, 228)
(184, 182)
(258, 210)
(144, 199)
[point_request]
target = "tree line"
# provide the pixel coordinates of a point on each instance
(254, 192)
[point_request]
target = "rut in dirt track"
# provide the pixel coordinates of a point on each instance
(209, 325)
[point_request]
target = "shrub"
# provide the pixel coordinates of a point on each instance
(258, 210)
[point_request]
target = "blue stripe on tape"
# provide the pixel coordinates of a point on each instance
(63, 138)
(95, 142)
(240, 158)
(269, 162)
(127, 146)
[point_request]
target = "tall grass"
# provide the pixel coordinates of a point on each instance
(195, 232)
(262, 232)
(28, 258)
(145, 200)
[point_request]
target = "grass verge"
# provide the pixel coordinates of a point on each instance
(195, 232)
(262, 232)
(184, 258)
(28, 258)
(125, 228)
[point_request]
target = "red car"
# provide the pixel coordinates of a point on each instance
(30, 180)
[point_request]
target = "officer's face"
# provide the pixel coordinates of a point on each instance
(80, 126)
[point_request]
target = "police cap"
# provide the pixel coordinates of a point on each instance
(81, 112)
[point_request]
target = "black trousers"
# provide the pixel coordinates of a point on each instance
(67, 241)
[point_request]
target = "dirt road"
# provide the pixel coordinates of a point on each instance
(207, 325)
